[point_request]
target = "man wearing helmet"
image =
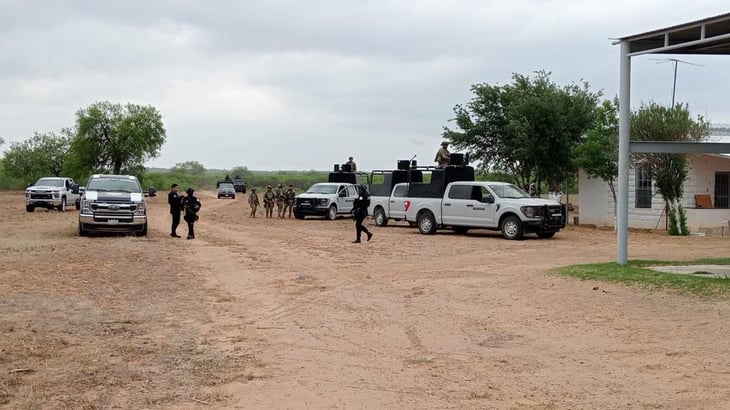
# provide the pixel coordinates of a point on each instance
(191, 206)
(442, 155)
(269, 199)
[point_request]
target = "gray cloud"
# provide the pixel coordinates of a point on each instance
(304, 84)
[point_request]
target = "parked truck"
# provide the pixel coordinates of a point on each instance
(332, 198)
(453, 199)
(113, 203)
(50, 193)
(388, 189)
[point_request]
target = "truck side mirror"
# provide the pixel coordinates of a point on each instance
(152, 191)
(488, 199)
(75, 189)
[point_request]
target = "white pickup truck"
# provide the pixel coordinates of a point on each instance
(385, 208)
(51, 192)
(486, 205)
(327, 199)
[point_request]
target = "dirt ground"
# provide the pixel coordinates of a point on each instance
(258, 313)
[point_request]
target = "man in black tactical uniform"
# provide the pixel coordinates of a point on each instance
(191, 206)
(360, 212)
(173, 198)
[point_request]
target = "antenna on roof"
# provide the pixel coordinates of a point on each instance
(675, 62)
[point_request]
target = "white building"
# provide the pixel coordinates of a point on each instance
(708, 176)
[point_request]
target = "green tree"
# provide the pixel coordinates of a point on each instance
(529, 128)
(654, 122)
(40, 155)
(188, 167)
(597, 155)
(115, 137)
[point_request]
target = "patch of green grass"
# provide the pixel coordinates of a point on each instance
(637, 273)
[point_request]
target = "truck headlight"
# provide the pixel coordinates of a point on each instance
(56, 194)
(322, 201)
(531, 211)
(27, 194)
(85, 205)
(140, 209)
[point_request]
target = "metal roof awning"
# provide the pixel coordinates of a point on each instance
(708, 36)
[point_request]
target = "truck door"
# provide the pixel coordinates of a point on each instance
(484, 210)
(346, 198)
(454, 205)
(396, 203)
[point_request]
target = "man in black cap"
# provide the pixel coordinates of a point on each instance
(173, 198)
(191, 206)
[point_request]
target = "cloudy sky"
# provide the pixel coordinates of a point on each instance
(302, 84)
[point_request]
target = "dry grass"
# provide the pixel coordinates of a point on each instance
(106, 321)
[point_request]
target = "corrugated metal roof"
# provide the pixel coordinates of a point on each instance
(678, 27)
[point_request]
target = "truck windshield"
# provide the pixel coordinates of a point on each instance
(114, 184)
(508, 191)
(226, 185)
(322, 189)
(49, 182)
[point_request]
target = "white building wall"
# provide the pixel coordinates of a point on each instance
(596, 205)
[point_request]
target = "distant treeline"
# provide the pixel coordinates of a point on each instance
(301, 180)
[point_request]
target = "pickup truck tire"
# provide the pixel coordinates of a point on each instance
(461, 230)
(332, 213)
(379, 216)
(512, 227)
(426, 223)
(545, 235)
(62, 207)
(233, 197)
(143, 232)
(30, 208)
(297, 215)
(82, 231)
(78, 204)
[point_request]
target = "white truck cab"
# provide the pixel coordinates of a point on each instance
(51, 192)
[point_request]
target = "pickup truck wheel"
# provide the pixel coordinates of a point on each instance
(233, 197)
(512, 227)
(545, 235)
(143, 232)
(297, 215)
(78, 203)
(379, 216)
(332, 213)
(82, 231)
(461, 229)
(30, 208)
(426, 223)
(62, 207)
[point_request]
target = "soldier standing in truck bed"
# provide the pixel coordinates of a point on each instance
(443, 156)
(253, 200)
(269, 199)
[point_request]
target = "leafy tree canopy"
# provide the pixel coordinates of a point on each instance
(115, 137)
(188, 167)
(597, 155)
(529, 127)
(41, 155)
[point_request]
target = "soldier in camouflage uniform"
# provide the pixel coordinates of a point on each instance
(279, 194)
(289, 196)
(269, 199)
(253, 200)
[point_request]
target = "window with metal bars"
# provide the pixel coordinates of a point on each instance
(643, 188)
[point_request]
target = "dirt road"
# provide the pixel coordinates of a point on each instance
(260, 313)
